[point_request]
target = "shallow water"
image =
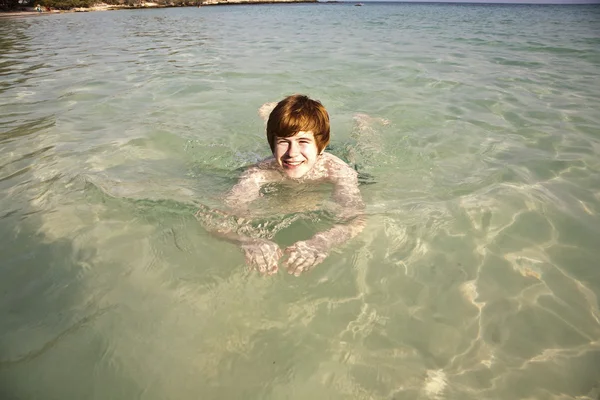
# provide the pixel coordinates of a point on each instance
(477, 274)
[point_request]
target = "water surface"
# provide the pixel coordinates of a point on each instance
(476, 276)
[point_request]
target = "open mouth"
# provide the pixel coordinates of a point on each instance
(291, 164)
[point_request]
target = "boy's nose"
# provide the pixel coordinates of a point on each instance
(293, 149)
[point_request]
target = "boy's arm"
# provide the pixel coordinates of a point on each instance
(305, 255)
(246, 190)
(265, 110)
(260, 254)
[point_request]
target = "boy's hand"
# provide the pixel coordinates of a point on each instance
(304, 256)
(265, 110)
(262, 255)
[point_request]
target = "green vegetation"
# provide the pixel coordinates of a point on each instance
(65, 4)
(16, 5)
(6, 5)
(11, 5)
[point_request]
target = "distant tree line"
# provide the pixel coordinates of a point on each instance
(68, 4)
(12, 5)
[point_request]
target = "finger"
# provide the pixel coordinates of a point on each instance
(302, 262)
(265, 259)
(262, 265)
(273, 265)
(318, 260)
(247, 256)
(273, 269)
(292, 261)
(304, 265)
(298, 271)
(295, 263)
(251, 261)
(289, 250)
(259, 262)
(276, 254)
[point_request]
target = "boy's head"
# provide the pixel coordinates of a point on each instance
(298, 113)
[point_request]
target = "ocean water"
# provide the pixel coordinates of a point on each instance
(477, 275)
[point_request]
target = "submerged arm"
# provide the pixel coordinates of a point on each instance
(265, 110)
(351, 211)
(305, 255)
(261, 254)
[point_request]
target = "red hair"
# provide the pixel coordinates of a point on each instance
(298, 113)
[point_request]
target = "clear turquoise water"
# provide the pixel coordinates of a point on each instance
(477, 276)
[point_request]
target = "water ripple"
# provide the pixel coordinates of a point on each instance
(474, 129)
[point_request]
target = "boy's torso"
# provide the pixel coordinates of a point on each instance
(265, 189)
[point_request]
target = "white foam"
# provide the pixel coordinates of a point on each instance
(435, 383)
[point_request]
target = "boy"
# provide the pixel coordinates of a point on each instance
(297, 132)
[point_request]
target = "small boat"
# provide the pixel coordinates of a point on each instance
(358, 4)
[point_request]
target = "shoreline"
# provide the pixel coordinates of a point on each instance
(31, 12)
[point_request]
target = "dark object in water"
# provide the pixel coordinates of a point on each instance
(365, 178)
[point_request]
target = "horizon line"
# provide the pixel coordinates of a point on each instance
(497, 2)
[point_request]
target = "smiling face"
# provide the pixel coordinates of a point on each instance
(297, 154)
(297, 131)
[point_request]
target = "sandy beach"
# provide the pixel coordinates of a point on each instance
(19, 14)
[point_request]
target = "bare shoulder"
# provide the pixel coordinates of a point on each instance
(264, 171)
(248, 186)
(337, 169)
(345, 179)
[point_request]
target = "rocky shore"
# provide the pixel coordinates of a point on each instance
(31, 12)
(225, 2)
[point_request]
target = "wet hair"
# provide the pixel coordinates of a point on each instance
(298, 113)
